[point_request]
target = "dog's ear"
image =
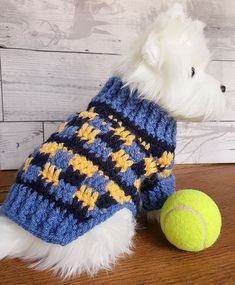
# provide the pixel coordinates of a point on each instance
(151, 52)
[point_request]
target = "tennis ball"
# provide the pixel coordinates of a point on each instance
(190, 220)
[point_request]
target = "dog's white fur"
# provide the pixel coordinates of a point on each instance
(159, 66)
(96, 250)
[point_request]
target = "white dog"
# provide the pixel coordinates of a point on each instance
(167, 66)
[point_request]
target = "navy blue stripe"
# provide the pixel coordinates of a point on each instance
(108, 166)
(40, 159)
(74, 178)
(112, 140)
(149, 183)
(157, 147)
(105, 115)
(105, 201)
(139, 168)
(76, 209)
(77, 121)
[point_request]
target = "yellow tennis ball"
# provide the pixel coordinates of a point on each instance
(190, 220)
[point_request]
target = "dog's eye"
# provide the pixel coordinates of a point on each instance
(192, 71)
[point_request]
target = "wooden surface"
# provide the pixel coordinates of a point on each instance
(154, 260)
(104, 26)
(42, 86)
(17, 141)
(55, 55)
(1, 98)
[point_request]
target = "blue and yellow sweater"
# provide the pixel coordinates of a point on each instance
(117, 154)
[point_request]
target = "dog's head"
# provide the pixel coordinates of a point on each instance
(168, 65)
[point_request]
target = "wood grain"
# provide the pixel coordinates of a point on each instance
(41, 86)
(17, 140)
(205, 142)
(105, 26)
(1, 98)
(49, 128)
(154, 260)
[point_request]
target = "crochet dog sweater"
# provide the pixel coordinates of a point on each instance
(117, 154)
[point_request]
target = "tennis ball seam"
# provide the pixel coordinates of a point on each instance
(184, 207)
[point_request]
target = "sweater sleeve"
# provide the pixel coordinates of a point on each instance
(155, 191)
(158, 186)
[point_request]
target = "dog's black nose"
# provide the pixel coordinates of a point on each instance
(223, 88)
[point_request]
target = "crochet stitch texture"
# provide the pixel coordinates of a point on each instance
(117, 154)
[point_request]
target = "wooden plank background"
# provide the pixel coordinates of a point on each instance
(1, 99)
(17, 141)
(104, 26)
(56, 54)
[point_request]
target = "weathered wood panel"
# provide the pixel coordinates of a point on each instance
(196, 142)
(1, 115)
(49, 128)
(105, 26)
(40, 86)
(206, 142)
(17, 141)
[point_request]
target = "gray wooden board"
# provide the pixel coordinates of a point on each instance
(17, 141)
(49, 128)
(208, 142)
(211, 142)
(1, 99)
(41, 86)
(105, 26)
(49, 86)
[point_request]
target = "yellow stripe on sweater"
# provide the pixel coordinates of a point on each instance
(124, 135)
(121, 159)
(27, 163)
(86, 196)
(88, 114)
(50, 173)
(144, 144)
(61, 127)
(87, 133)
(83, 165)
(165, 173)
(117, 193)
(52, 147)
(166, 159)
(137, 184)
(150, 166)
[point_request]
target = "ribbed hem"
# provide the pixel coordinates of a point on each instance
(39, 216)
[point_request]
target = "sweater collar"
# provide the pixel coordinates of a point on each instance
(144, 116)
